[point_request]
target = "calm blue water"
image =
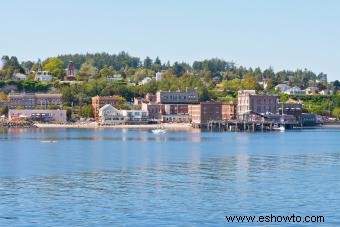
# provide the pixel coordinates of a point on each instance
(107, 177)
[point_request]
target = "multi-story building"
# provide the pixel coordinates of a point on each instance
(168, 97)
(154, 110)
(108, 115)
(249, 101)
(134, 116)
(33, 100)
(38, 115)
(100, 101)
(176, 109)
(228, 111)
(204, 112)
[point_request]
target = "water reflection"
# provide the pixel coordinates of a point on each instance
(195, 179)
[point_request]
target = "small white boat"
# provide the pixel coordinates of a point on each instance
(159, 130)
(280, 128)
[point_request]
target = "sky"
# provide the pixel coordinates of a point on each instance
(282, 34)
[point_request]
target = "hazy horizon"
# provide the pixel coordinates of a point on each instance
(286, 35)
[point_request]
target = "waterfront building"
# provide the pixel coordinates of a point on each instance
(100, 101)
(177, 118)
(307, 119)
(294, 109)
(176, 109)
(108, 115)
(187, 97)
(33, 100)
(134, 116)
(37, 115)
(204, 112)
(228, 111)
(248, 100)
(19, 76)
(154, 110)
(43, 76)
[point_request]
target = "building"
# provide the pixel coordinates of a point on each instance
(70, 72)
(134, 116)
(176, 109)
(43, 76)
(204, 112)
(282, 87)
(178, 118)
(19, 76)
(38, 115)
(248, 100)
(307, 119)
(295, 91)
(154, 110)
(100, 101)
(228, 111)
(167, 97)
(33, 100)
(108, 115)
(294, 109)
(159, 76)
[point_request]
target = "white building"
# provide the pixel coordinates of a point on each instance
(295, 91)
(134, 116)
(38, 115)
(19, 76)
(159, 76)
(282, 87)
(108, 115)
(145, 80)
(43, 76)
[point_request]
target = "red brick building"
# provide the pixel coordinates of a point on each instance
(204, 112)
(228, 111)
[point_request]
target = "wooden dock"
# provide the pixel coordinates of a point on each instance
(237, 125)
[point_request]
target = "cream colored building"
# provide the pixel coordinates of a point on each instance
(108, 115)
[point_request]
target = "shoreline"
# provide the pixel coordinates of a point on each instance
(93, 125)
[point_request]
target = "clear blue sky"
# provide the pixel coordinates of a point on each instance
(284, 34)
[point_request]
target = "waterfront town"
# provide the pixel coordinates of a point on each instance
(253, 102)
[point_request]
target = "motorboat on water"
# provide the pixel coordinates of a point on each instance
(280, 128)
(159, 130)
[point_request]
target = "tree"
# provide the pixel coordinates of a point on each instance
(86, 111)
(178, 69)
(147, 63)
(56, 67)
(4, 110)
(250, 83)
(87, 71)
(336, 112)
(106, 71)
(10, 66)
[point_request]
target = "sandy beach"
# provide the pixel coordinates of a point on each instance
(95, 125)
